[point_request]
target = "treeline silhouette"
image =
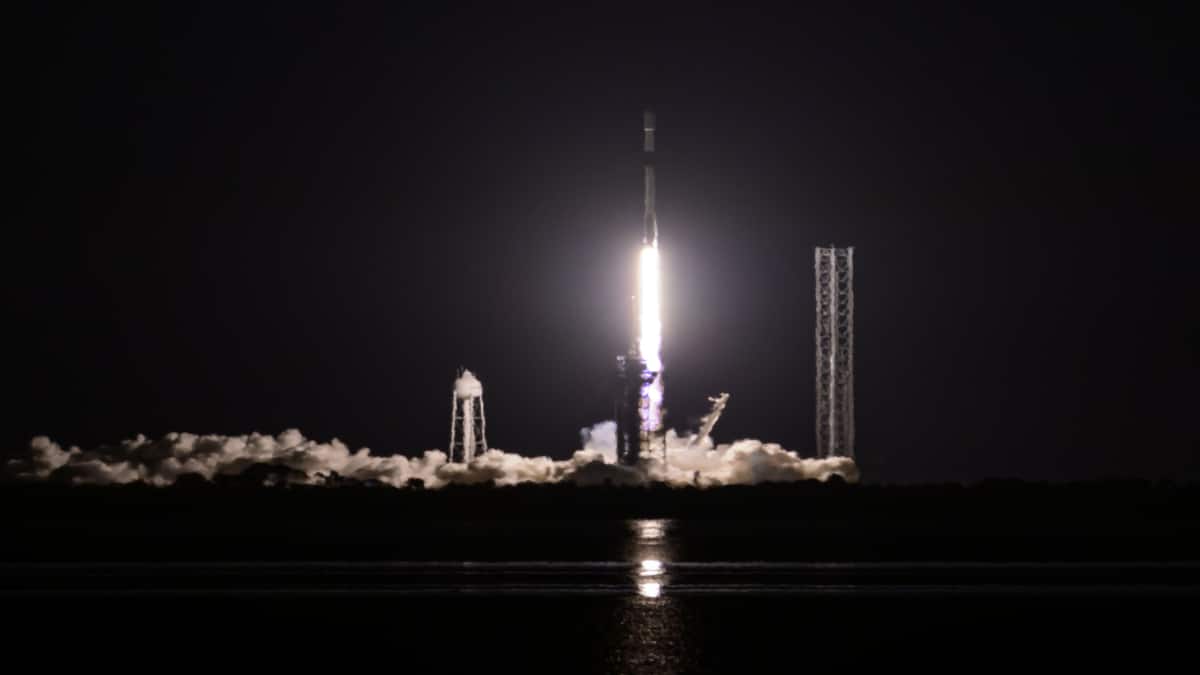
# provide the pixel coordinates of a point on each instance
(237, 518)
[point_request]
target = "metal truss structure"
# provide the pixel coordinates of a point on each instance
(834, 269)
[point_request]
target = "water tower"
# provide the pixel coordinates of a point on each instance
(468, 426)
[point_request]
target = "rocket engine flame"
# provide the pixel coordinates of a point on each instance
(650, 308)
(650, 341)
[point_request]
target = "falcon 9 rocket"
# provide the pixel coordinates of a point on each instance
(639, 404)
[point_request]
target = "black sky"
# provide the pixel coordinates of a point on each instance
(275, 216)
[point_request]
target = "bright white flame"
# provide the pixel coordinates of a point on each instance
(651, 568)
(650, 589)
(650, 309)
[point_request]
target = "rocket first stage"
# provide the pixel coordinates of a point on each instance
(639, 403)
(650, 238)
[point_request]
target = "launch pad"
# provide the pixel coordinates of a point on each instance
(639, 383)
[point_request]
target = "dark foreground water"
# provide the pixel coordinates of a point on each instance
(649, 610)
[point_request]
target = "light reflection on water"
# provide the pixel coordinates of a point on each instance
(651, 552)
(649, 589)
(650, 624)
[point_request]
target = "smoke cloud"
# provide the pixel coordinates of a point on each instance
(296, 459)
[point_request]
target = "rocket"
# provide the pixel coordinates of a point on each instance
(639, 404)
(650, 221)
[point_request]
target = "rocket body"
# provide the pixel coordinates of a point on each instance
(640, 406)
(650, 220)
(650, 307)
(649, 283)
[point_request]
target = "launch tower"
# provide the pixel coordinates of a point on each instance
(834, 269)
(629, 398)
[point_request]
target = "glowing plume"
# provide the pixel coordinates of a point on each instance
(650, 309)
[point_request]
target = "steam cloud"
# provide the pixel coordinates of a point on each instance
(304, 461)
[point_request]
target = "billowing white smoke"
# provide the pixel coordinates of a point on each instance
(300, 460)
(162, 461)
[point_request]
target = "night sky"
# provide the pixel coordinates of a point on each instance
(264, 218)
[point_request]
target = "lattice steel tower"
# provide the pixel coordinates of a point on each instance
(835, 351)
(468, 426)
